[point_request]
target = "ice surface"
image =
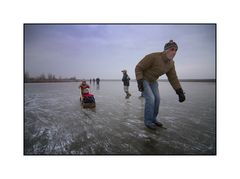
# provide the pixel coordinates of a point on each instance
(55, 122)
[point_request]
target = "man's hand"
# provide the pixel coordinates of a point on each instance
(181, 95)
(140, 85)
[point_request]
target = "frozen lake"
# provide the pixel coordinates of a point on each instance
(55, 122)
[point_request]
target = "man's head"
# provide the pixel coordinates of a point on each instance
(124, 71)
(170, 49)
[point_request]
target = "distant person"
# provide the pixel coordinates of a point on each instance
(147, 72)
(90, 80)
(94, 81)
(98, 81)
(125, 80)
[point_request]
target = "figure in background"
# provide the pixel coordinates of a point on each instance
(125, 80)
(98, 81)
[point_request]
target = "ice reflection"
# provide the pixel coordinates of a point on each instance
(56, 123)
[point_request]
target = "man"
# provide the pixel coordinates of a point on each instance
(148, 71)
(97, 80)
(125, 80)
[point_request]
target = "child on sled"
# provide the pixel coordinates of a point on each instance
(86, 98)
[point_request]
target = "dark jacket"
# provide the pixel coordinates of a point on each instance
(125, 79)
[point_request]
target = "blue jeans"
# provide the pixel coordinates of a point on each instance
(152, 101)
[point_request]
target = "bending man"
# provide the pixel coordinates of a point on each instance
(147, 71)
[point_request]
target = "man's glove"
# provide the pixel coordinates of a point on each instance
(140, 85)
(181, 95)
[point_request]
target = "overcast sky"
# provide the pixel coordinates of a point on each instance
(90, 51)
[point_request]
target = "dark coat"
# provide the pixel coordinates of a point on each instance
(125, 79)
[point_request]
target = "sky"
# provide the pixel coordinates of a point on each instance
(89, 51)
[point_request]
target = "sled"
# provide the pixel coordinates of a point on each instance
(87, 105)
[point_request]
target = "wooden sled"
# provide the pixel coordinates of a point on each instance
(87, 105)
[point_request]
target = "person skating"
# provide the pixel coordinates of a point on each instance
(98, 81)
(147, 71)
(125, 80)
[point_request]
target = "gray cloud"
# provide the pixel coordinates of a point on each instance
(87, 51)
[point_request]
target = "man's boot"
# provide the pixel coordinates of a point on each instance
(128, 94)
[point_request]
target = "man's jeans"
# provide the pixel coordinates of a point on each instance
(152, 101)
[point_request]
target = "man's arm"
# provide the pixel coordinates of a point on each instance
(173, 79)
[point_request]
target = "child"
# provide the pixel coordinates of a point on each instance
(83, 86)
(87, 98)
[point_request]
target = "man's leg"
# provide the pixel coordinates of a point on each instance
(126, 91)
(128, 94)
(149, 104)
(156, 94)
(155, 90)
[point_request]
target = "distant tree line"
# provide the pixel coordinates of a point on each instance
(47, 78)
(52, 78)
